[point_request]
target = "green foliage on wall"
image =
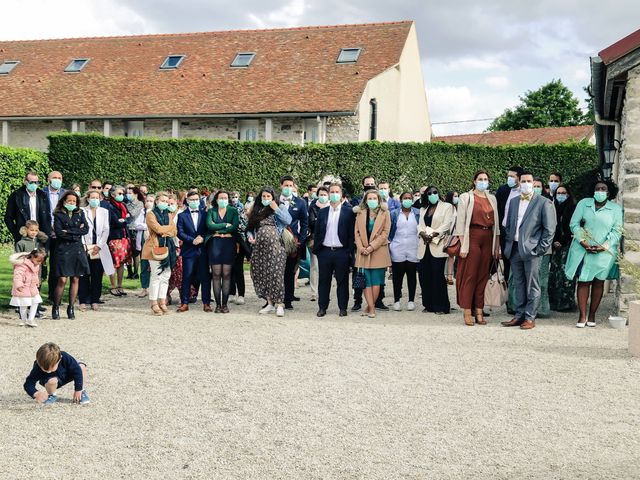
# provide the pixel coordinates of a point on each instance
(14, 165)
(244, 166)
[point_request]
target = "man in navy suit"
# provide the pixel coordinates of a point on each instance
(299, 227)
(333, 244)
(192, 229)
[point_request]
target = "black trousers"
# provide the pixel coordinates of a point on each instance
(357, 293)
(90, 286)
(237, 275)
(398, 270)
(435, 297)
(290, 279)
(333, 263)
(52, 280)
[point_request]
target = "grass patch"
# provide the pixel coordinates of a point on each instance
(6, 280)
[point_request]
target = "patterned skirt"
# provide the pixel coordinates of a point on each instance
(268, 261)
(121, 251)
(562, 291)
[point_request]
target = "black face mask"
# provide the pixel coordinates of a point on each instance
(369, 187)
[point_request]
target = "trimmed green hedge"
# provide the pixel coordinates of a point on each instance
(244, 166)
(14, 165)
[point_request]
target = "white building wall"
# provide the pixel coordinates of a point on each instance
(403, 114)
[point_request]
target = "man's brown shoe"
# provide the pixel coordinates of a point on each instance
(514, 322)
(527, 325)
(207, 308)
(183, 308)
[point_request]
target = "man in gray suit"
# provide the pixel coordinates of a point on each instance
(530, 228)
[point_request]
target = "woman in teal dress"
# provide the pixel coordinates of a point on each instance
(597, 228)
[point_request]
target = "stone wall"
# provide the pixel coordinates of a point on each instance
(343, 129)
(33, 133)
(629, 182)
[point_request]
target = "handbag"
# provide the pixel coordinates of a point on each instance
(359, 282)
(495, 293)
(90, 253)
(159, 253)
(289, 241)
(453, 246)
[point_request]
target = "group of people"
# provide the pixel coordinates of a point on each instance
(196, 241)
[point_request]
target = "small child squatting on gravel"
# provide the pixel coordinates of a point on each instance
(54, 369)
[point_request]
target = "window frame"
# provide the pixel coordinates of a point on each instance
(13, 63)
(239, 54)
(163, 65)
(69, 70)
(350, 49)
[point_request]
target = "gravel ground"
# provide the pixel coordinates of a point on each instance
(242, 396)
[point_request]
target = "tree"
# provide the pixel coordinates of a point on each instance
(552, 105)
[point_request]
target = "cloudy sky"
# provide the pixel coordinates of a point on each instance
(477, 57)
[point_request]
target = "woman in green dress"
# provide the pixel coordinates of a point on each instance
(597, 228)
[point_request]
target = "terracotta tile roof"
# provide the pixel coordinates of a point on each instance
(294, 70)
(546, 136)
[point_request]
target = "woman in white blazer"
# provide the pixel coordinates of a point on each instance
(436, 221)
(95, 242)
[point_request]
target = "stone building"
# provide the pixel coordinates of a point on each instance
(331, 84)
(529, 136)
(615, 86)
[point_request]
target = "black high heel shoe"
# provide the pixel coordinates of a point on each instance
(71, 315)
(55, 312)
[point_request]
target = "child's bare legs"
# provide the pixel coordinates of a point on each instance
(51, 386)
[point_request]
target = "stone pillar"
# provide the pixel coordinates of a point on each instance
(268, 129)
(5, 133)
(629, 183)
(634, 329)
(175, 128)
(74, 126)
(107, 128)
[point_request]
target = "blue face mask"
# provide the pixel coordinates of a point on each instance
(456, 200)
(172, 208)
(129, 196)
(407, 203)
(537, 190)
(94, 202)
(119, 198)
(162, 206)
(194, 205)
(433, 198)
(286, 191)
(511, 182)
(32, 187)
(56, 183)
(69, 207)
(372, 204)
(561, 197)
(482, 185)
(266, 202)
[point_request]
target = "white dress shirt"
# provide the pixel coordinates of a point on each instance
(522, 208)
(512, 194)
(33, 212)
(194, 218)
(331, 238)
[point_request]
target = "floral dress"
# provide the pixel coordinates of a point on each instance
(268, 261)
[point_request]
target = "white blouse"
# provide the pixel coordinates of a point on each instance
(404, 247)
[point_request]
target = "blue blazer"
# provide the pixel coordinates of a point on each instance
(299, 218)
(187, 232)
(346, 227)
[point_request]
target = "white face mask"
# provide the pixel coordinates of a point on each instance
(526, 188)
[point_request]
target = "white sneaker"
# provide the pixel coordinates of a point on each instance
(280, 312)
(267, 309)
(411, 306)
(396, 307)
(239, 301)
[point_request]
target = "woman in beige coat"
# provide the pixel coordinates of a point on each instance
(478, 229)
(436, 222)
(372, 227)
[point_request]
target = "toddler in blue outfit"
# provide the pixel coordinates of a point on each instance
(54, 369)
